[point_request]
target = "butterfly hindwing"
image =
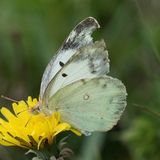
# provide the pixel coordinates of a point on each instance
(88, 62)
(80, 36)
(90, 104)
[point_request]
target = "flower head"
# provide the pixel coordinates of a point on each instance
(27, 130)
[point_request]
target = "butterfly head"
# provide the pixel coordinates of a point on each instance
(36, 109)
(40, 107)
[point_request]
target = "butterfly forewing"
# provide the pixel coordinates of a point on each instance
(91, 104)
(89, 62)
(80, 36)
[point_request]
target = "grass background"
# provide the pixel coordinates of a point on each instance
(32, 31)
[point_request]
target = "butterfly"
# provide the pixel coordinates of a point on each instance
(75, 83)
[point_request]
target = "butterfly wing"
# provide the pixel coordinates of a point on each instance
(74, 83)
(88, 62)
(80, 36)
(90, 104)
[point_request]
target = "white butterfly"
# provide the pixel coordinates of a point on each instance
(76, 85)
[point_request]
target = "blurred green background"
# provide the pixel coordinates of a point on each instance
(31, 31)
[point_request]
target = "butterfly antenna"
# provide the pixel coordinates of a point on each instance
(146, 109)
(9, 99)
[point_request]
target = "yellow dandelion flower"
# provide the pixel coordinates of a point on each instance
(25, 129)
